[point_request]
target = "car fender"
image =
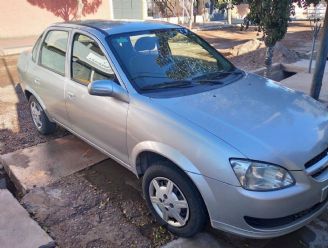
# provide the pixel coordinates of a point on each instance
(183, 163)
(164, 150)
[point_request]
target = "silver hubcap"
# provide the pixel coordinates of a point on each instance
(169, 201)
(36, 111)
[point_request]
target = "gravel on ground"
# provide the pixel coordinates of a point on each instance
(17, 130)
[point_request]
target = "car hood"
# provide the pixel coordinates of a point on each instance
(262, 119)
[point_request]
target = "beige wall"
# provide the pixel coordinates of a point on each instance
(19, 18)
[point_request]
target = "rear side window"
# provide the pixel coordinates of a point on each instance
(88, 61)
(53, 51)
(36, 49)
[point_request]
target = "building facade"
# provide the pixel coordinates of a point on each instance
(22, 18)
(129, 9)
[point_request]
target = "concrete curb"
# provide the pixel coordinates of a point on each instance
(48, 162)
(17, 228)
(215, 27)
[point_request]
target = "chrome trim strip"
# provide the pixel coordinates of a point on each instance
(322, 164)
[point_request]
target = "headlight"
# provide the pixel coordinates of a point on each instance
(259, 176)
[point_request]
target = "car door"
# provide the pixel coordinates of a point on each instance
(99, 119)
(47, 73)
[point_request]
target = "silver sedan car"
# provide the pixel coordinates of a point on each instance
(211, 142)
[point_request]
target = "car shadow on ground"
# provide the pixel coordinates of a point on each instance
(301, 238)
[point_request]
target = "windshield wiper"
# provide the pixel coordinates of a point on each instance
(184, 83)
(181, 84)
(147, 76)
(217, 75)
(172, 84)
(209, 81)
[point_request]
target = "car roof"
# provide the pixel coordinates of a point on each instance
(109, 27)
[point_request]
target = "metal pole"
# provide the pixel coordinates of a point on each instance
(320, 61)
(316, 29)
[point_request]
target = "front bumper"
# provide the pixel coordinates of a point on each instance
(263, 214)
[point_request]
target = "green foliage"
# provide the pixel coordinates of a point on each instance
(272, 16)
(221, 4)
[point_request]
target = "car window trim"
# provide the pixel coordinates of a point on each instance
(78, 32)
(102, 48)
(102, 41)
(40, 53)
(36, 47)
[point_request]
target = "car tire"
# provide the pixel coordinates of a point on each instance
(193, 218)
(39, 117)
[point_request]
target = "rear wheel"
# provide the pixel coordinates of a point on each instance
(39, 117)
(174, 200)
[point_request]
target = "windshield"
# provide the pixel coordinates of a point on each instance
(162, 59)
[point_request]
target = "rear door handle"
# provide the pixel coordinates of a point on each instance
(37, 81)
(70, 95)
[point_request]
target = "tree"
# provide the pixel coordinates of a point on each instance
(225, 5)
(188, 7)
(166, 7)
(191, 12)
(68, 9)
(272, 17)
(229, 12)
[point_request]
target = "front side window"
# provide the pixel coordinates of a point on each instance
(172, 57)
(88, 62)
(53, 51)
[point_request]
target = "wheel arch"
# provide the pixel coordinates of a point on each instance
(148, 152)
(28, 92)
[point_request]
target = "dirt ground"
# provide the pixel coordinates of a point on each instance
(103, 206)
(298, 38)
(298, 33)
(99, 207)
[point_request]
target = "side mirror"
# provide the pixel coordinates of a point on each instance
(107, 88)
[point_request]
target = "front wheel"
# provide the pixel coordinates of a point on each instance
(39, 117)
(174, 200)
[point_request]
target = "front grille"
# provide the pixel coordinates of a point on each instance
(317, 167)
(316, 159)
(279, 222)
